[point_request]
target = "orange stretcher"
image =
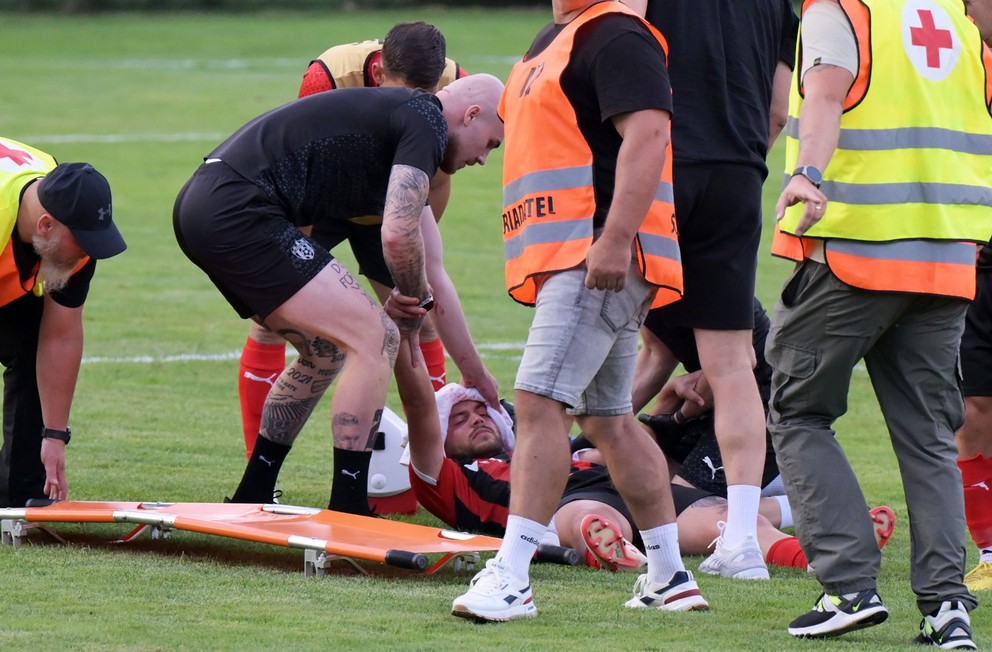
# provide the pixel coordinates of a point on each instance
(323, 534)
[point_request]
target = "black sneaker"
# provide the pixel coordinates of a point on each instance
(833, 615)
(948, 628)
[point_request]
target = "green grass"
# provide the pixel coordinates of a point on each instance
(169, 430)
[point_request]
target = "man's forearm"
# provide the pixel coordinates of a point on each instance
(58, 360)
(402, 242)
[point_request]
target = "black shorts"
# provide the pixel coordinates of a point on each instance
(594, 483)
(976, 342)
(684, 497)
(703, 466)
(718, 211)
(366, 245)
(243, 241)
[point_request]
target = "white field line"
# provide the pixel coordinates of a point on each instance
(498, 347)
(234, 355)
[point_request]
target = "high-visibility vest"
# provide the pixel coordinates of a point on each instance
(350, 65)
(19, 165)
(908, 185)
(548, 192)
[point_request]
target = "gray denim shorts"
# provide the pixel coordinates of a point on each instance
(582, 346)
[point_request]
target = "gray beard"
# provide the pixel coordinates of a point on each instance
(53, 273)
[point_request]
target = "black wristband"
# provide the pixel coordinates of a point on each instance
(61, 435)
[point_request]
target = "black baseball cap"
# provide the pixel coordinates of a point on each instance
(78, 196)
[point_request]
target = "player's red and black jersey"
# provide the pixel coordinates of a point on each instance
(304, 155)
(474, 495)
(471, 495)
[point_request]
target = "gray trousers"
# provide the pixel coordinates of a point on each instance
(821, 329)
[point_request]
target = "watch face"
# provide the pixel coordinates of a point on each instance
(812, 174)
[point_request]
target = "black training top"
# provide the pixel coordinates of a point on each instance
(616, 67)
(328, 156)
(722, 56)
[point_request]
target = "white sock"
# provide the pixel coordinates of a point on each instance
(986, 557)
(742, 514)
(519, 545)
(786, 509)
(774, 488)
(661, 547)
(551, 536)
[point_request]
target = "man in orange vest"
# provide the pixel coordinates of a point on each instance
(589, 241)
(55, 222)
(886, 199)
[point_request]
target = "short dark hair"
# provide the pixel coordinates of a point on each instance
(415, 52)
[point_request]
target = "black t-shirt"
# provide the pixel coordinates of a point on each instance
(681, 341)
(328, 156)
(616, 67)
(722, 56)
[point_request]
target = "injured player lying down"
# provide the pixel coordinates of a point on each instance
(460, 450)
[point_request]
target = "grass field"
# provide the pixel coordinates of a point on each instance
(156, 415)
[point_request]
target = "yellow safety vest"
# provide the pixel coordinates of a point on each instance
(908, 185)
(19, 165)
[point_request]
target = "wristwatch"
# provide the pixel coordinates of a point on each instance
(427, 303)
(61, 435)
(812, 174)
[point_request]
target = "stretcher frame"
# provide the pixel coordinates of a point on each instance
(339, 536)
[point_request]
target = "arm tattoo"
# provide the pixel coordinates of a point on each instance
(405, 200)
(391, 340)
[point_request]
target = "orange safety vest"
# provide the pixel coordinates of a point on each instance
(908, 196)
(548, 193)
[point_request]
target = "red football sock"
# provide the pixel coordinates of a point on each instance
(976, 475)
(260, 365)
(434, 357)
(787, 552)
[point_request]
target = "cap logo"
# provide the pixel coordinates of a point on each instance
(104, 213)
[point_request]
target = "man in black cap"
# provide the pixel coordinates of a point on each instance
(55, 222)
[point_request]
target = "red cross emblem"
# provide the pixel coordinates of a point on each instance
(18, 156)
(928, 36)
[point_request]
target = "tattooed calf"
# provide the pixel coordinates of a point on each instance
(284, 417)
(347, 434)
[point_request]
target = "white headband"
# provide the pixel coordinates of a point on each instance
(453, 393)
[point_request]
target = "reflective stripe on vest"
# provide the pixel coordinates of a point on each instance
(19, 165)
(548, 194)
(913, 154)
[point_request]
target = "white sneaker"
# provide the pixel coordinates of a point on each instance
(680, 594)
(494, 595)
(742, 562)
(948, 628)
